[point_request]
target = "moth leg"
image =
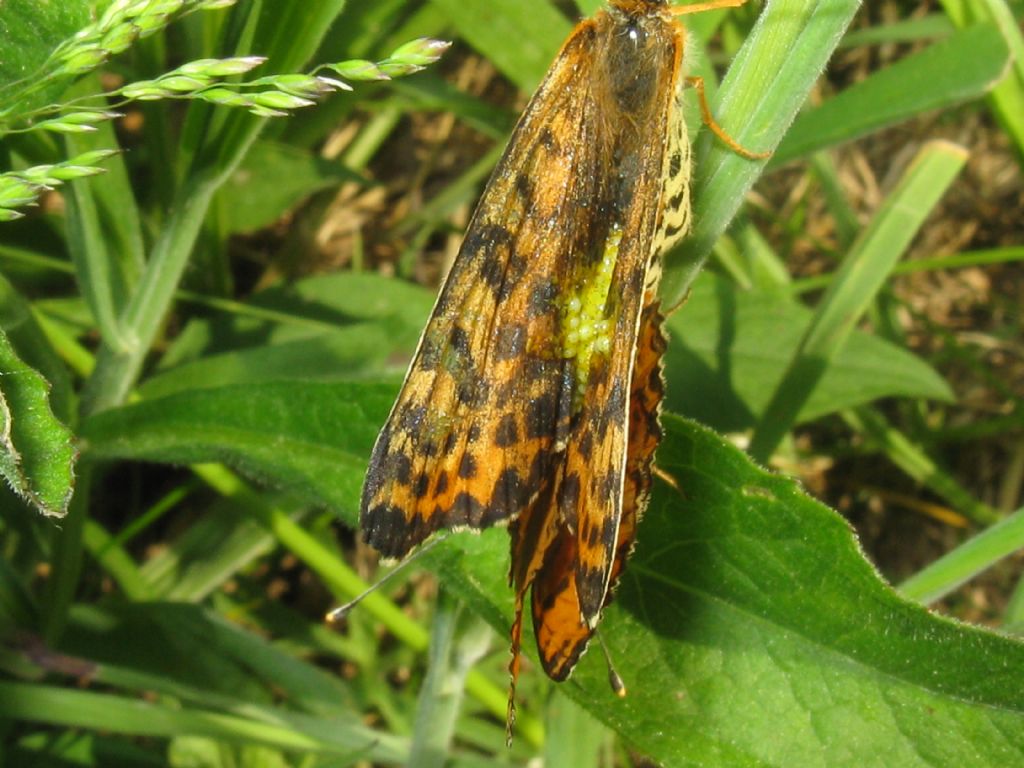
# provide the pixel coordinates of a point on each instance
(513, 666)
(709, 121)
(678, 305)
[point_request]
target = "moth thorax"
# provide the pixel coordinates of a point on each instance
(586, 327)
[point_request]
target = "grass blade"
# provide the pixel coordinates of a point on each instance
(1007, 98)
(458, 639)
(864, 271)
(960, 69)
(966, 561)
(758, 99)
(913, 460)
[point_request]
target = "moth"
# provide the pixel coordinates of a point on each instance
(533, 397)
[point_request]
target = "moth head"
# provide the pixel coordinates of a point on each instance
(639, 7)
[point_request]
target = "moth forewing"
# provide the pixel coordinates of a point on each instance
(473, 435)
(641, 63)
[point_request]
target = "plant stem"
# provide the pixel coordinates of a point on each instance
(458, 639)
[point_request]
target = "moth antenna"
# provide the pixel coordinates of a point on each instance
(339, 613)
(667, 479)
(614, 679)
(711, 5)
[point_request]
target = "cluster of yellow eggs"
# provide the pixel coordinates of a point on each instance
(586, 328)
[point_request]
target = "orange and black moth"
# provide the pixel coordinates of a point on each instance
(534, 395)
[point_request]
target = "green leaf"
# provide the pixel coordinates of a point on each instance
(959, 69)
(272, 179)
(196, 655)
(746, 602)
(359, 29)
(207, 676)
(18, 606)
(198, 752)
(728, 349)
(520, 38)
(29, 31)
(311, 439)
(305, 309)
(37, 455)
(327, 327)
(347, 353)
(581, 738)
(876, 434)
(34, 348)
